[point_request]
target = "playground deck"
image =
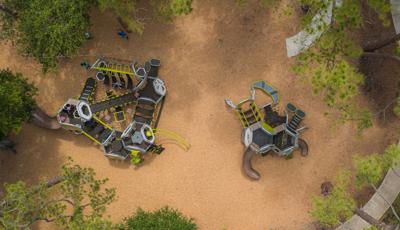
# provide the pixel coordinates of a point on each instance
(148, 94)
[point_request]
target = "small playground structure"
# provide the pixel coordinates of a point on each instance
(264, 130)
(141, 90)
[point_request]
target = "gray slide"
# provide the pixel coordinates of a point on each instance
(247, 167)
(41, 119)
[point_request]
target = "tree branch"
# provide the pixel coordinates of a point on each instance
(380, 44)
(8, 11)
(36, 219)
(387, 202)
(371, 220)
(54, 181)
(381, 55)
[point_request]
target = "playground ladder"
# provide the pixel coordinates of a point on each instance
(251, 116)
(116, 68)
(296, 119)
(157, 149)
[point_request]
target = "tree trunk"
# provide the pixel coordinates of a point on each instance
(372, 221)
(9, 145)
(387, 202)
(54, 181)
(379, 44)
(124, 25)
(381, 55)
(8, 11)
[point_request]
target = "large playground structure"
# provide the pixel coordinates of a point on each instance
(143, 95)
(264, 130)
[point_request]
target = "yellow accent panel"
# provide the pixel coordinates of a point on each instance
(113, 70)
(101, 122)
(91, 138)
(268, 128)
(240, 118)
(174, 136)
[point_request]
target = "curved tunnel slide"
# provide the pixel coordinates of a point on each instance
(247, 167)
(41, 119)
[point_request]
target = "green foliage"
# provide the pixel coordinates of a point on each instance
(391, 157)
(338, 206)
(19, 206)
(350, 112)
(181, 7)
(164, 218)
(396, 108)
(165, 9)
(389, 217)
(16, 101)
(327, 65)
(338, 84)
(371, 228)
(125, 10)
(369, 170)
(78, 201)
(382, 7)
(168, 9)
(263, 3)
(46, 30)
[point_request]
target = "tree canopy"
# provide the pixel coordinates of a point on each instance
(329, 64)
(339, 205)
(46, 30)
(165, 9)
(76, 199)
(16, 101)
(164, 218)
(73, 200)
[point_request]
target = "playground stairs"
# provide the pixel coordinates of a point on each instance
(88, 89)
(97, 131)
(250, 116)
(295, 121)
(144, 112)
(157, 149)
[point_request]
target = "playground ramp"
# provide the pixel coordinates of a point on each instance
(113, 102)
(304, 39)
(396, 14)
(379, 203)
(149, 92)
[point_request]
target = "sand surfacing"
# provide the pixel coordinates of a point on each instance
(212, 54)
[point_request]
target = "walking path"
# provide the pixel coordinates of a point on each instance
(377, 206)
(303, 40)
(396, 14)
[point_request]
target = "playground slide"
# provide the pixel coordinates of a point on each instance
(246, 164)
(41, 119)
(8, 145)
(303, 147)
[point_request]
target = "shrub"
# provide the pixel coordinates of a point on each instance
(162, 219)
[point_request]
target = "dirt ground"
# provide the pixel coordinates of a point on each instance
(212, 54)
